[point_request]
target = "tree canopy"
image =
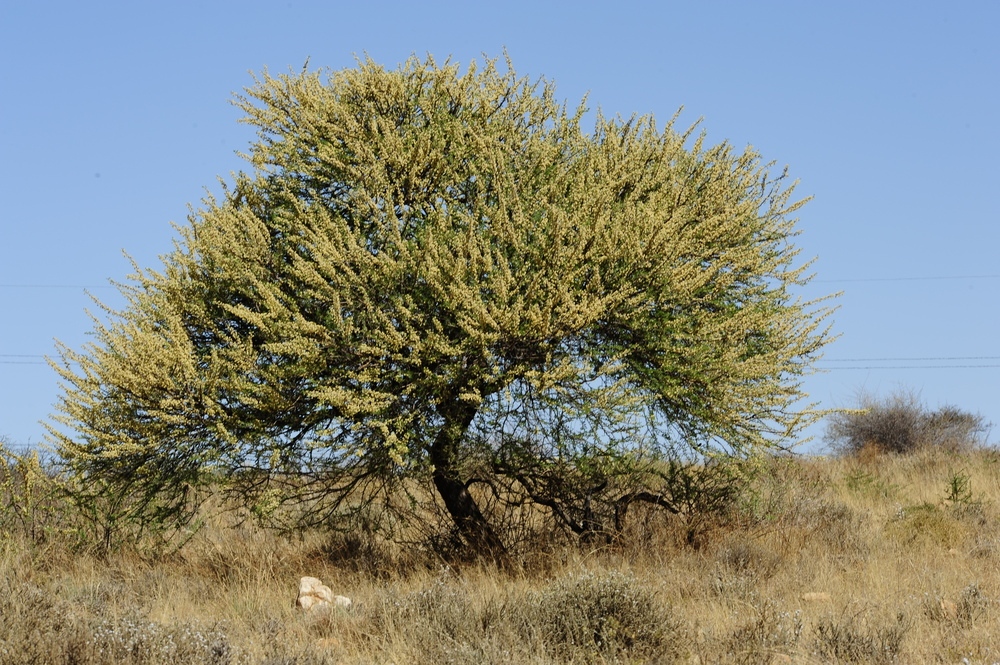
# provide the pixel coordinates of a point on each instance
(431, 274)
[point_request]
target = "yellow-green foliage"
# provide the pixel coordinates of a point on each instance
(425, 262)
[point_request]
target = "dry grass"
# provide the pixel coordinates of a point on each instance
(906, 547)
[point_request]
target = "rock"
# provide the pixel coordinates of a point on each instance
(816, 597)
(313, 594)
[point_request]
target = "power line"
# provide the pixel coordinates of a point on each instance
(901, 279)
(814, 281)
(909, 360)
(912, 367)
(4, 361)
(53, 286)
(872, 360)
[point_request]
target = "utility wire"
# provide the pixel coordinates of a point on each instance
(4, 361)
(814, 281)
(901, 279)
(912, 367)
(872, 360)
(909, 360)
(53, 286)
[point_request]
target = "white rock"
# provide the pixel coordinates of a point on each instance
(313, 594)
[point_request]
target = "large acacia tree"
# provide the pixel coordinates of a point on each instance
(443, 275)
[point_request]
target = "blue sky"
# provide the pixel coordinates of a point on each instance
(114, 117)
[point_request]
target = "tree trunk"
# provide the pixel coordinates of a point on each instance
(471, 523)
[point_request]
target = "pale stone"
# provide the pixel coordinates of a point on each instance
(816, 597)
(314, 594)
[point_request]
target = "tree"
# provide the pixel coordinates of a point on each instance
(435, 274)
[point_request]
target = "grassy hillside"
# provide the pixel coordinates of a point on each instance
(867, 558)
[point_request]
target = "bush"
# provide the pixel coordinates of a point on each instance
(38, 627)
(595, 618)
(31, 504)
(768, 631)
(859, 639)
(901, 424)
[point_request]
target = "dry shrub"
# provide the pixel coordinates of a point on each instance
(860, 638)
(767, 632)
(362, 553)
(832, 525)
(781, 485)
(927, 523)
(140, 641)
(38, 627)
(588, 618)
(748, 558)
(901, 424)
(600, 617)
(973, 605)
(741, 567)
(441, 623)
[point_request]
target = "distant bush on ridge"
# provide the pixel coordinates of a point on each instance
(901, 424)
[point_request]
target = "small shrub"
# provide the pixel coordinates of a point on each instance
(865, 483)
(833, 525)
(927, 523)
(443, 624)
(901, 424)
(959, 490)
(972, 605)
(767, 632)
(857, 639)
(30, 503)
(747, 557)
(139, 641)
(591, 618)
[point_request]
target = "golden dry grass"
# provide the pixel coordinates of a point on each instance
(906, 550)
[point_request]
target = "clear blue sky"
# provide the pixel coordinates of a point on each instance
(115, 116)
